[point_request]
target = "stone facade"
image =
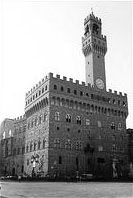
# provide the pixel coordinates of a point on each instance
(72, 128)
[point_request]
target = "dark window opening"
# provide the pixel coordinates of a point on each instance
(60, 160)
(75, 92)
(55, 87)
(100, 160)
(62, 88)
(68, 90)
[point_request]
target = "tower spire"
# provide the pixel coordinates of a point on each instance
(94, 47)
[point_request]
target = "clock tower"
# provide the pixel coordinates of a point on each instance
(94, 47)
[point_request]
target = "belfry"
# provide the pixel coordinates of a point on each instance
(94, 47)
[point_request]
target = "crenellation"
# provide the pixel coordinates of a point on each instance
(115, 92)
(58, 76)
(71, 80)
(50, 75)
(36, 85)
(43, 80)
(64, 78)
(110, 90)
(120, 93)
(89, 85)
(77, 82)
(125, 94)
(83, 83)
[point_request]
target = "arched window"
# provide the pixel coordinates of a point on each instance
(78, 120)
(78, 145)
(55, 87)
(62, 88)
(30, 147)
(57, 143)
(44, 141)
(57, 116)
(68, 118)
(68, 144)
(113, 126)
(34, 146)
(39, 144)
(35, 121)
(60, 160)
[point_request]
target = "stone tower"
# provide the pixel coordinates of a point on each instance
(94, 48)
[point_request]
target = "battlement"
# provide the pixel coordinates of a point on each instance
(20, 118)
(50, 75)
(92, 16)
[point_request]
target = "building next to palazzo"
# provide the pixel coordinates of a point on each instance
(68, 127)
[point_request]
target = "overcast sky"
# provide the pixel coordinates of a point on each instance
(38, 37)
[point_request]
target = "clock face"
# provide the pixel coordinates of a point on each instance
(99, 83)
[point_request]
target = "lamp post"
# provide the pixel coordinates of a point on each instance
(34, 160)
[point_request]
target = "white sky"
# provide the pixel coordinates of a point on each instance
(38, 37)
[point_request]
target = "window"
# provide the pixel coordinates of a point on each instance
(87, 122)
(45, 117)
(68, 118)
(44, 141)
(40, 119)
(55, 87)
(30, 147)
(99, 123)
(23, 150)
(75, 92)
(119, 126)
(32, 124)
(42, 90)
(57, 116)
(68, 144)
(18, 151)
(68, 129)
(100, 160)
(100, 148)
(58, 128)
(39, 144)
(35, 121)
(114, 102)
(36, 95)
(34, 146)
(60, 160)
(46, 88)
(57, 143)
(78, 145)
(28, 125)
(39, 92)
(68, 90)
(81, 93)
(62, 88)
(78, 120)
(113, 126)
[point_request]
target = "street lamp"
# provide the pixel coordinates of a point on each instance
(34, 160)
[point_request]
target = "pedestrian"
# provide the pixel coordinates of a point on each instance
(19, 178)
